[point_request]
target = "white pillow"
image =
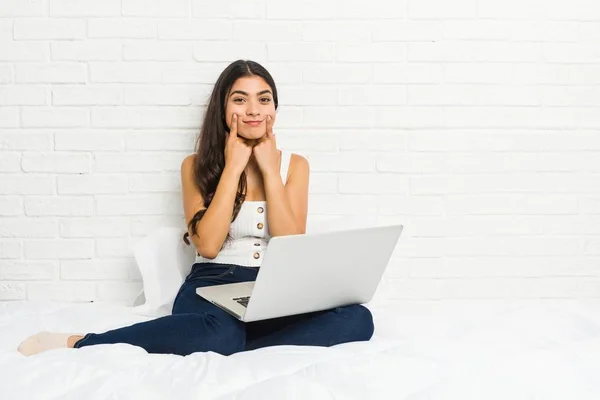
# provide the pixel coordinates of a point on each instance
(164, 261)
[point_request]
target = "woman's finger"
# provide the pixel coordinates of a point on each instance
(234, 125)
(269, 126)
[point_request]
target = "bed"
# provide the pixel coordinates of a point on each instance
(526, 349)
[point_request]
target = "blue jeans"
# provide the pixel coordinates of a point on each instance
(197, 325)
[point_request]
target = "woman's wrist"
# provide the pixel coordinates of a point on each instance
(267, 174)
(231, 172)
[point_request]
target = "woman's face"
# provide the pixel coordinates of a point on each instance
(251, 98)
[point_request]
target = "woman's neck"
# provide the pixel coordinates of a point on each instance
(252, 166)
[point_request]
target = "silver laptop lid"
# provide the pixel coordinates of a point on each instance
(305, 273)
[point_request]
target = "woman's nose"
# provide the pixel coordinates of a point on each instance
(252, 109)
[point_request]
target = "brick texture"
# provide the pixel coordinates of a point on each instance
(474, 123)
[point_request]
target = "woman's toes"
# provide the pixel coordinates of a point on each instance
(30, 345)
(43, 341)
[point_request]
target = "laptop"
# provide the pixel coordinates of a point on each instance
(310, 272)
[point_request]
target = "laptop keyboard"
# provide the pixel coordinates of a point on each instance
(242, 300)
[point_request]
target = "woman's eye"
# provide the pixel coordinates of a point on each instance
(238, 100)
(265, 99)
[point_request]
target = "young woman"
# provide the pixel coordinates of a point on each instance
(239, 190)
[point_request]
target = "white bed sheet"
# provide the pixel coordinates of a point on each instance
(484, 350)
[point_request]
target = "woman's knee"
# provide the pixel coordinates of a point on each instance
(359, 320)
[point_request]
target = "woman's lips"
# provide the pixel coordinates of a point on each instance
(253, 123)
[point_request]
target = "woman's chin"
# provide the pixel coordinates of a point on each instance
(251, 135)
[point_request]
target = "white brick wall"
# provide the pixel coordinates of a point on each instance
(475, 123)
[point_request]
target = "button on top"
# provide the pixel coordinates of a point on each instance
(259, 225)
(256, 255)
(260, 210)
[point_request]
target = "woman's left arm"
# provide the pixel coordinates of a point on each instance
(288, 205)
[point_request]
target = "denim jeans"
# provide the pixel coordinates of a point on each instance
(197, 325)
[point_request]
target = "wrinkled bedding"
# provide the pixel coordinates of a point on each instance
(527, 349)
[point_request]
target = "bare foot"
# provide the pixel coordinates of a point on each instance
(43, 341)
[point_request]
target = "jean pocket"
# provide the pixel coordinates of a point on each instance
(212, 271)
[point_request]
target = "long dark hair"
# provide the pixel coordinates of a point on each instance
(210, 144)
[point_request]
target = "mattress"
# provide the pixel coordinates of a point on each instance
(527, 349)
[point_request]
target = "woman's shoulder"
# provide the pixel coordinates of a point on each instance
(298, 163)
(297, 158)
(188, 160)
(187, 165)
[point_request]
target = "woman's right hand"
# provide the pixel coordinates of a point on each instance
(237, 152)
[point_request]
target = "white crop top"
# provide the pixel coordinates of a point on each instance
(250, 230)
